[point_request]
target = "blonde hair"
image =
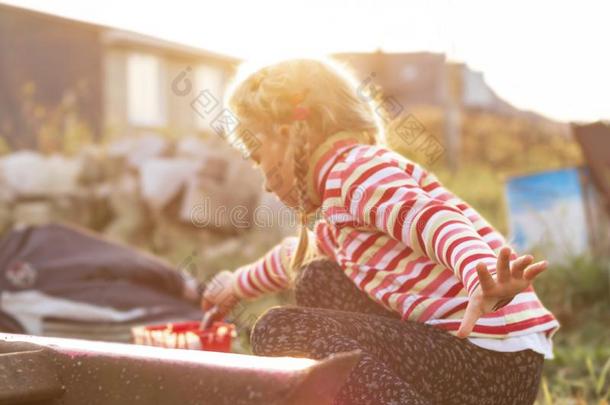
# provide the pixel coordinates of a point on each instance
(263, 97)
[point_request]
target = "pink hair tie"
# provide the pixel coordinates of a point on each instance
(299, 112)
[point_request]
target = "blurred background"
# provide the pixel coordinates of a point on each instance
(111, 121)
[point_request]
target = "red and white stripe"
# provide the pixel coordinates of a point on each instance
(405, 240)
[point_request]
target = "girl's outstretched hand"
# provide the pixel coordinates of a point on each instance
(490, 294)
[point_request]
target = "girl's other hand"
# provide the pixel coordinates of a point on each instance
(219, 292)
(490, 294)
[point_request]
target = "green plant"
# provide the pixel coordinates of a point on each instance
(5, 148)
(581, 283)
(59, 128)
(599, 379)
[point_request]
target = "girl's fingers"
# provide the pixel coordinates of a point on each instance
(533, 270)
(502, 267)
(519, 266)
(472, 314)
(486, 281)
(205, 304)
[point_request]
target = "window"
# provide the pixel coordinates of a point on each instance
(146, 104)
(211, 79)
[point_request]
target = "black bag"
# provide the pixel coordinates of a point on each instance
(67, 274)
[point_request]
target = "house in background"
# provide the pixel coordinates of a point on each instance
(428, 79)
(119, 81)
(149, 84)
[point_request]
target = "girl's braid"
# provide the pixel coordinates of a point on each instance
(300, 159)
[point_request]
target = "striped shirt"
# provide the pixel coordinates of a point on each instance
(402, 238)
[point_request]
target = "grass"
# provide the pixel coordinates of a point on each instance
(578, 293)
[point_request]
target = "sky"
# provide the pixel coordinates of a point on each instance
(551, 57)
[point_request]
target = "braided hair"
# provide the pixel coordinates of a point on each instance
(300, 159)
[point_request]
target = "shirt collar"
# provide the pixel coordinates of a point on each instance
(323, 157)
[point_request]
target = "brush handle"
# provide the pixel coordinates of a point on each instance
(208, 317)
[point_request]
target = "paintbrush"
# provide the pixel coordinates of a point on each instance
(209, 316)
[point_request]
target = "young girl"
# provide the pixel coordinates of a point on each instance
(397, 266)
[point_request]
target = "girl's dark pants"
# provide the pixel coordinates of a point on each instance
(403, 362)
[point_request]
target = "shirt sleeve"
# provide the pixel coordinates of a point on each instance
(268, 274)
(380, 194)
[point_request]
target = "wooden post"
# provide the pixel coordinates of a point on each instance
(453, 114)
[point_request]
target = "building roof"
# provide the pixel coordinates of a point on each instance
(118, 36)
